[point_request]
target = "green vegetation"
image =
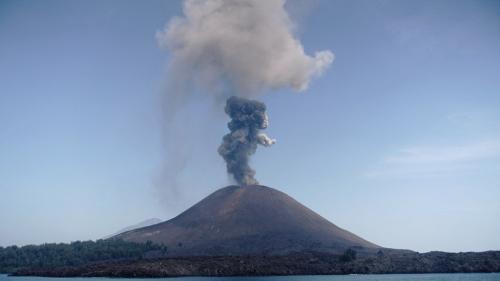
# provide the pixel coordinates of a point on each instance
(74, 254)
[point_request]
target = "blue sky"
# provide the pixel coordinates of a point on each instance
(397, 142)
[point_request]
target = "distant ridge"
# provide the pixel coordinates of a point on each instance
(249, 220)
(141, 224)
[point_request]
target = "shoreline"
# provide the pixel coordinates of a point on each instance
(301, 264)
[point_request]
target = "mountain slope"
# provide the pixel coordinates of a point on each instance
(141, 224)
(246, 221)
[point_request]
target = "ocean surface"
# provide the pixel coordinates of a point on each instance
(384, 277)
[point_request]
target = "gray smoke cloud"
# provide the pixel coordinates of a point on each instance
(241, 47)
(236, 48)
(248, 117)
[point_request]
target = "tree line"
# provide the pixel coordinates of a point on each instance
(74, 253)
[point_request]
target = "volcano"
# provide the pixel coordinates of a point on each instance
(258, 231)
(248, 220)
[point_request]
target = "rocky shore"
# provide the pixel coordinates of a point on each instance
(296, 264)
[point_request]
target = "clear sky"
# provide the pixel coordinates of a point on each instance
(398, 142)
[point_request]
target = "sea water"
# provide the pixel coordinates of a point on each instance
(381, 277)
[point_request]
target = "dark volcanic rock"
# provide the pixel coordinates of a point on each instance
(249, 220)
(295, 264)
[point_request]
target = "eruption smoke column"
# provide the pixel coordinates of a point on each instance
(248, 117)
(241, 47)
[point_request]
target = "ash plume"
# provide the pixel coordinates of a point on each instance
(242, 47)
(234, 47)
(248, 117)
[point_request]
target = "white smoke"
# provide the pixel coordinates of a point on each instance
(239, 47)
(265, 140)
(229, 48)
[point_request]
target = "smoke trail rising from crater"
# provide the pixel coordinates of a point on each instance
(248, 117)
(236, 47)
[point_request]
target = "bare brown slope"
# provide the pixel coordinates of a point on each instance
(248, 220)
